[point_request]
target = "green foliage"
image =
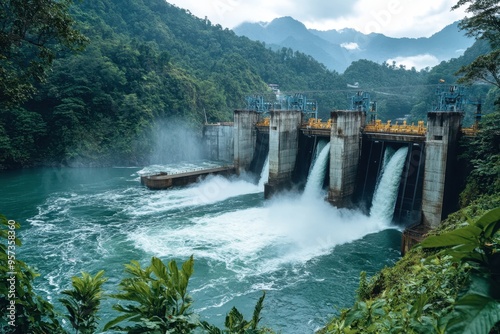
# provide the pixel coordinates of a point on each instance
(474, 242)
(484, 23)
(160, 302)
(483, 152)
(83, 302)
(236, 324)
(484, 68)
(363, 291)
(31, 33)
(476, 314)
(27, 311)
(479, 244)
(450, 284)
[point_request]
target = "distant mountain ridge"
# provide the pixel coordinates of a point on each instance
(337, 49)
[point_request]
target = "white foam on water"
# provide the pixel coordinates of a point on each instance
(257, 240)
(180, 167)
(212, 189)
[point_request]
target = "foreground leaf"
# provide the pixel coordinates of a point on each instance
(476, 314)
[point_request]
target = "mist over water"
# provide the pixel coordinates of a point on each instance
(175, 141)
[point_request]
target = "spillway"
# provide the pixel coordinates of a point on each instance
(386, 192)
(318, 171)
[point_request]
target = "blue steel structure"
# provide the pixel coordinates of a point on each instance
(360, 101)
(453, 98)
(450, 99)
(297, 101)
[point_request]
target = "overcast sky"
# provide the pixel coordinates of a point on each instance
(395, 18)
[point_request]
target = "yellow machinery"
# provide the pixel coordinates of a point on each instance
(317, 123)
(404, 128)
(264, 122)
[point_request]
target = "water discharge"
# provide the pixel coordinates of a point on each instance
(264, 175)
(386, 192)
(317, 175)
(297, 247)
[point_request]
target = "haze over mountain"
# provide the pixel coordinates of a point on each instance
(337, 49)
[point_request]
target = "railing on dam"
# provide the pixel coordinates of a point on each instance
(470, 132)
(376, 127)
(264, 122)
(317, 123)
(404, 128)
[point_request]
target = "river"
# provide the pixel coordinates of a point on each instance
(306, 254)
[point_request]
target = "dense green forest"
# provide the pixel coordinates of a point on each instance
(138, 62)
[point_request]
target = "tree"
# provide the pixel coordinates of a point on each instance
(31, 33)
(236, 324)
(160, 302)
(485, 20)
(83, 302)
(484, 23)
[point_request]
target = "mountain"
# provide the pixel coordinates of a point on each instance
(337, 49)
(147, 62)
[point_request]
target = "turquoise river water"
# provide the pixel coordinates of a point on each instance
(306, 254)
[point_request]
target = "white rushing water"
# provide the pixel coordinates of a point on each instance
(318, 171)
(290, 245)
(386, 192)
(264, 175)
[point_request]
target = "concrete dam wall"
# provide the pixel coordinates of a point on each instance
(425, 192)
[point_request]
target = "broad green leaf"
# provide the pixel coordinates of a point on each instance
(116, 321)
(476, 314)
(159, 269)
(256, 312)
(490, 222)
(461, 236)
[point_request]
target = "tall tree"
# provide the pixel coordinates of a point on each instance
(31, 33)
(484, 23)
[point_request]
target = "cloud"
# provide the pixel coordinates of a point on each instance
(417, 61)
(396, 18)
(350, 46)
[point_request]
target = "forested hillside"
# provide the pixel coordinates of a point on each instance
(149, 61)
(146, 60)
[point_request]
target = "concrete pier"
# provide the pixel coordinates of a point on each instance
(165, 180)
(283, 147)
(219, 141)
(441, 144)
(345, 151)
(244, 138)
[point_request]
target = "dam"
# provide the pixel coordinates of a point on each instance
(288, 132)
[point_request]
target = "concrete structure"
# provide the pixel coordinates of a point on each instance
(219, 141)
(443, 129)
(244, 138)
(165, 180)
(428, 171)
(283, 147)
(345, 150)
